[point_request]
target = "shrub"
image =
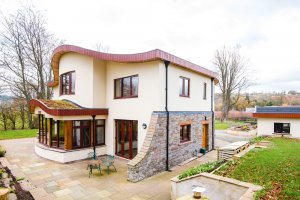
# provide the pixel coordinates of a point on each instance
(2, 152)
(207, 167)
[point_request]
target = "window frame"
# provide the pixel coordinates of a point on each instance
(282, 127)
(58, 123)
(81, 127)
(68, 74)
(189, 129)
(204, 90)
(99, 144)
(122, 88)
(182, 90)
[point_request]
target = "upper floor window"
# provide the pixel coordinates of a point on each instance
(67, 83)
(184, 87)
(185, 133)
(204, 90)
(126, 87)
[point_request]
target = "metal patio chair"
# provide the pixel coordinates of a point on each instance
(108, 160)
(93, 163)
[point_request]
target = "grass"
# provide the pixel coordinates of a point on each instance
(15, 134)
(226, 124)
(276, 168)
(207, 167)
(221, 125)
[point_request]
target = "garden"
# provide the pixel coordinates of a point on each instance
(276, 169)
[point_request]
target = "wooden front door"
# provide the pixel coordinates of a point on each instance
(126, 138)
(205, 135)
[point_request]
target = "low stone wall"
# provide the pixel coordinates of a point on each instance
(217, 187)
(151, 159)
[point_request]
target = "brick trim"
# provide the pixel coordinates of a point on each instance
(205, 122)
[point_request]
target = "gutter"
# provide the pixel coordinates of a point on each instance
(212, 113)
(168, 116)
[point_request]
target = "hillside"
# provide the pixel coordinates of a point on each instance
(248, 100)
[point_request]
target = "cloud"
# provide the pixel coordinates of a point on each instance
(268, 31)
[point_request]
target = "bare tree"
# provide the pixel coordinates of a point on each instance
(21, 107)
(26, 47)
(101, 47)
(4, 114)
(12, 114)
(234, 76)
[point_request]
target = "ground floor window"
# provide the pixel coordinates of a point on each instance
(57, 134)
(282, 127)
(51, 132)
(43, 129)
(185, 133)
(100, 132)
(81, 133)
(126, 138)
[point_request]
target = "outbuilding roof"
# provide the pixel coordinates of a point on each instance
(278, 109)
(126, 58)
(277, 112)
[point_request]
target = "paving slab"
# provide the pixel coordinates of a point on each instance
(71, 181)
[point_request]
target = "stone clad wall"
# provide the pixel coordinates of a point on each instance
(151, 159)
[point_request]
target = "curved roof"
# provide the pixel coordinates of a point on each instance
(125, 58)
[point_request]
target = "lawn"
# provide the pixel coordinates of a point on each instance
(14, 134)
(226, 124)
(276, 168)
(221, 125)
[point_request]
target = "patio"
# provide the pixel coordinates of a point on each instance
(51, 180)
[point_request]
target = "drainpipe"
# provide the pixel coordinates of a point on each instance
(212, 113)
(167, 112)
(94, 137)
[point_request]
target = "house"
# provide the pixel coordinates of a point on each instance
(151, 108)
(278, 120)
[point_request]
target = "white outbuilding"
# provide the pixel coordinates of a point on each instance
(281, 120)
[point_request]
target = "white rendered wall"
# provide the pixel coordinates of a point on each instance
(139, 108)
(195, 101)
(83, 67)
(99, 84)
(66, 156)
(265, 126)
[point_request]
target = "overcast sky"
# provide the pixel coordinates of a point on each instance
(267, 30)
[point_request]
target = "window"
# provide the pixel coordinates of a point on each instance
(204, 91)
(126, 87)
(282, 127)
(100, 132)
(57, 134)
(81, 134)
(43, 129)
(184, 87)
(185, 133)
(67, 83)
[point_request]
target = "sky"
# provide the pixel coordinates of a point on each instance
(268, 31)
